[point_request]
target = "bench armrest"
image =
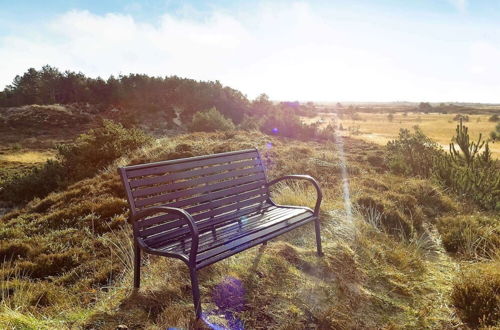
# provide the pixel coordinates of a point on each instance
(172, 210)
(309, 178)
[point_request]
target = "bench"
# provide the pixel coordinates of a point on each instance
(207, 208)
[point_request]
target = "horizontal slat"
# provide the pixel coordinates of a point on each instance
(234, 184)
(201, 207)
(232, 241)
(249, 241)
(162, 238)
(215, 195)
(163, 228)
(234, 229)
(188, 164)
(182, 160)
(228, 208)
(195, 182)
(193, 173)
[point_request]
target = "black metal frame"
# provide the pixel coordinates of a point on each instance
(319, 198)
(191, 260)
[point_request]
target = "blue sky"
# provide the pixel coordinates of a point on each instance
(379, 50)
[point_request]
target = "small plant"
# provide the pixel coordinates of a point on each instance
(494, 118)
(461, 118)
(16, 147)
(495, 135)
(250, 123)
(210, 120)
(390, 117)
(474, 236)
(355, 116)
(476, 295)
(411, 153)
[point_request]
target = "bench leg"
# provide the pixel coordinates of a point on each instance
(318, 237)
(196, 292)
(137, 265)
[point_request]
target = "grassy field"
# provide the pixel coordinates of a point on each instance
(408, 249)
(377, 128)
(76, 243)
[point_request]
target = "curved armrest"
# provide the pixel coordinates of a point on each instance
(172, 210)
(307, 178)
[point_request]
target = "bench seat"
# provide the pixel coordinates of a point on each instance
(237, 234)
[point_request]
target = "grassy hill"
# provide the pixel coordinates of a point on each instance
(67, 258)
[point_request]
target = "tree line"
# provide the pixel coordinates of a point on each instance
(138, 92)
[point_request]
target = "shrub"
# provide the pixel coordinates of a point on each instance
(495, 135)
(471, 236)
(210, 120)
(89, 153)
(286, 124)
(99, 147)
(38, 182)
(250, 123)
(326, 133)
(461, 118)
(494, 118)
(411, 153)
(470, 170)
(391, 219)
(476, 294)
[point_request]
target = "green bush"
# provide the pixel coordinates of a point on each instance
(470, 236)
(412, 153)
(38, 182)
(89, 153)
(467, 170)
(250, 123)
(476, 295)
(286, 124)
(98, 148)
(210, 120)
(470, 170)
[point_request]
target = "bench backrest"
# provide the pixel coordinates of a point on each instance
(212, 188)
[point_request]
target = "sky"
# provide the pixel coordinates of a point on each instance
(337, 50)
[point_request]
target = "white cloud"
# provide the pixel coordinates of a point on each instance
(460, 5)
(290, 51)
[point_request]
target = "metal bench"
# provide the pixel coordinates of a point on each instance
(207, 208)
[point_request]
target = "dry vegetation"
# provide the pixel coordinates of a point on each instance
(67, 257)
(377, 128)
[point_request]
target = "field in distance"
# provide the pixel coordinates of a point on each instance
(378, 128)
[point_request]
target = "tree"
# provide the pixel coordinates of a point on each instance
(261, 106)
(210, 120)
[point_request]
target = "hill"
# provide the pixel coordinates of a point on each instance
(67, 257)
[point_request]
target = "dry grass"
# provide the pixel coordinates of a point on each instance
(28, 157)
(368, 278)
(375, 127)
